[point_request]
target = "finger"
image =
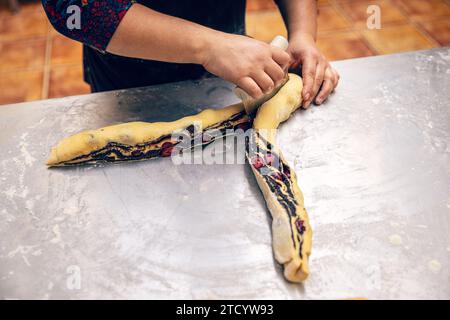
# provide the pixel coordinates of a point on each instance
(275, 72)
(264, 81)
(325, 91)
(294, 64)
(308, 75)
(332, 75)
(249, 85)
(295, 60)
(281, 57)
(336, 78)
(318, 80)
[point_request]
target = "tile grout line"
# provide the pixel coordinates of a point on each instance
(425, 33)
(47, 62)
(417, 26)
(331, 5)
(27, 38)
(38, 68)
(369, 45)
(356, 29)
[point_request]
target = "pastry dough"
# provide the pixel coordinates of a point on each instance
(291, 230)
(143, 140)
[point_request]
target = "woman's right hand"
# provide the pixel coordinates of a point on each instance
(253, 65)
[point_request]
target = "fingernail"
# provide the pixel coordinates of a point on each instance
(319, 100)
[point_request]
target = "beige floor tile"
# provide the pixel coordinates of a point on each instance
(65, 50)
(424, 10)
(20, 86)
(255, 5)
(357, 12)
(24, 54)
(324, 2)
(397, 39)
(24, 25)
(345, 45)
(330, 19)
(67, 81)
(439, 30)
(265, 25)
(25, 7)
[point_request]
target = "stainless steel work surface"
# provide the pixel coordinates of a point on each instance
(373, 163)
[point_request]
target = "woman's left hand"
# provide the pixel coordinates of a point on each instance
(319, 78)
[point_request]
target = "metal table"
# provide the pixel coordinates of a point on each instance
(373, 163)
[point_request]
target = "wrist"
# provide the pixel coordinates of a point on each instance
(301, 36)
(203, 47)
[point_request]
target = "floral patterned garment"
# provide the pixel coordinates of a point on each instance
(99, 19)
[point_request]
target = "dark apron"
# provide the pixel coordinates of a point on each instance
(106, 71)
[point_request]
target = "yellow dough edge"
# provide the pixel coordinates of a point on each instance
(133, 133)
(295, 268)
(279, 108)
(268, 118)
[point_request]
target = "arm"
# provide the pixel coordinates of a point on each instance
(319, 77)
(140, 32)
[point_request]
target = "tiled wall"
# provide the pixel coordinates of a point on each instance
(37, 63)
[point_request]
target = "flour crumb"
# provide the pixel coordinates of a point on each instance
(71, 211)
(28, 158)
(395, 239)
(10, 192)
(57, 233)
(394, 224)
(435, 266)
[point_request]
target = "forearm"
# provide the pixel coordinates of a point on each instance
(300, 17)
(147, 34)
(132, 30)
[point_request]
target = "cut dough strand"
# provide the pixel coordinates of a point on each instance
(141, 140)
(291, 230)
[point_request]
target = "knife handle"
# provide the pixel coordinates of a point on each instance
(280, 42)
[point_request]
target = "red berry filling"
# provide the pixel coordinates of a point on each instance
(166, 149)
(270, 159)
(300, 225)
(258, 163)
(276, 176)
(287, 172)
(243, 126)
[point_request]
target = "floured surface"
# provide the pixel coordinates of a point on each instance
(373, 162)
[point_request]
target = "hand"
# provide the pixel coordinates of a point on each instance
(253, 65)
(319, 78)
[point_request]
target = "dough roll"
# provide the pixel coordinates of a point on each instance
(277, 180)
(143, 140)
(291, 231)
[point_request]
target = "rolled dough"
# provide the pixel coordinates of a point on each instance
(291, 231)
(277, 180)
